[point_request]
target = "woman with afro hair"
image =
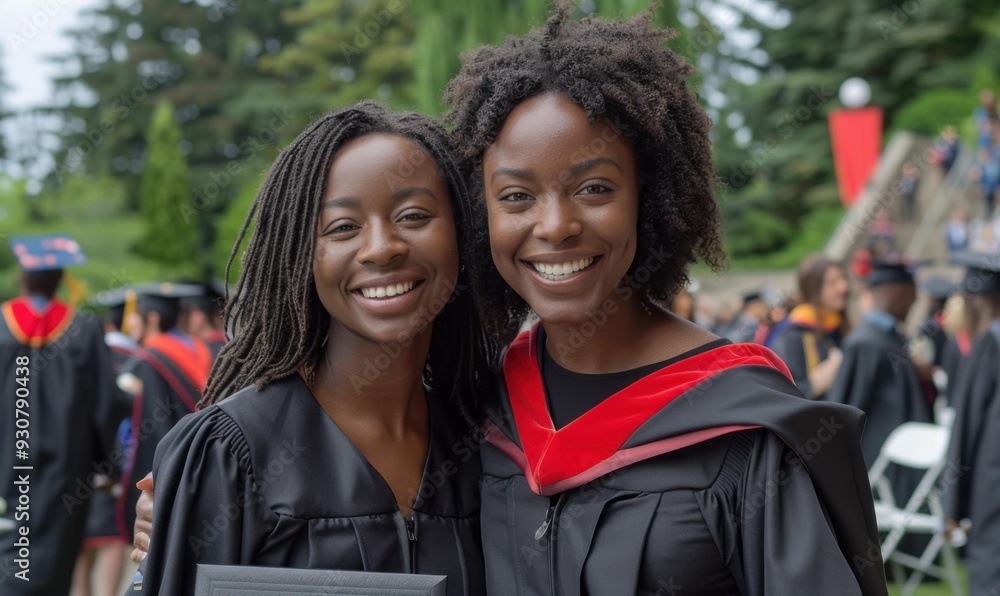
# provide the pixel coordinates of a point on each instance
(630, 451)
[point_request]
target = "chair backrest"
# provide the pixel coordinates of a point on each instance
(916, 445)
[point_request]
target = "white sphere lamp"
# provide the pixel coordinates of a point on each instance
(855, 92)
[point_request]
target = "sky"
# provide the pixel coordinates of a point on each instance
(31, 30)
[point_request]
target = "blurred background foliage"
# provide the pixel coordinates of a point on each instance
(173, 109)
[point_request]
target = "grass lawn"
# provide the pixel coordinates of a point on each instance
(938, 589)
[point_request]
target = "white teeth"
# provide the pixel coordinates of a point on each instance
(387, 291)
(560, 271)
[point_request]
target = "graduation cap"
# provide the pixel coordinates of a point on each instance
(939, 288)
(210, 299)
(46, 253)
(119, 302)
(982, 272)
(165, 298)
(889, 271)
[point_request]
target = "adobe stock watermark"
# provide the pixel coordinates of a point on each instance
(784, 129)
(227, 513)
(202, 197)
(35, 22)
(121, 107)
(377, 21)
(419, 323)
(624, 291)
(901, 14)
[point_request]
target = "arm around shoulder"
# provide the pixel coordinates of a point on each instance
(207, 510)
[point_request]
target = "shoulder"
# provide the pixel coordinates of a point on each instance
(210, 430)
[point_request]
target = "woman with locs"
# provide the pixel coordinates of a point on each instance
(630, 451)
(359, 362)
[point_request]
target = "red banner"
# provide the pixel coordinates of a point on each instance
(856, 137)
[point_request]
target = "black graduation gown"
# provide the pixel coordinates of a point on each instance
(71, 413)
(790, 344)
(878, 378)
(102, 519)
(971, 481)
(710, 476)
(268, 479)
(169, 392)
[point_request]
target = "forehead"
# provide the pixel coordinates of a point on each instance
(553, 126)
(383, 163)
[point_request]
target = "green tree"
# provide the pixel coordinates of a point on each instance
(229, 228)
(169, 235)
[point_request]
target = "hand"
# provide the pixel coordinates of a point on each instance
(825, 372)
(144, 519)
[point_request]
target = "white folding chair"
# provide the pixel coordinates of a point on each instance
(919, 446)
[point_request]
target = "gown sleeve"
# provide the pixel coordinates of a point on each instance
(785, 538)
(206, 509)
(110, 405)
(788, 347)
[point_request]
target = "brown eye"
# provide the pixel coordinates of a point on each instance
(515, 197)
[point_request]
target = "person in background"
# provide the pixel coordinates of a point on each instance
(908, 183)
(947, 148)
(974, 452)
(958, 230)
(984, 116)
(102, 558)
(751, 316)
(171, 369)
(877, 375)
(987, 173)
(959, 322)
(810, 339)
(56, 379)
(204, 316)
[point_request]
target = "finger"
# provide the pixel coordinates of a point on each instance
(144, 506)
(146, 483)
(137, 556)
(141, 542)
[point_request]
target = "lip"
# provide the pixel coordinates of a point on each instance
(571, 284)
(389, 306)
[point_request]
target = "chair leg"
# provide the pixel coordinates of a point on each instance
(951, 565)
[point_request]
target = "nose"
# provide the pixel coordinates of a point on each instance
(556, 220)
(381, 245)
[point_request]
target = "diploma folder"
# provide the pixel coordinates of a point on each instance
(239, 580)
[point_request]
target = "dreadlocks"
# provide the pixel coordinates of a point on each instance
(619, 70)
(276, 320)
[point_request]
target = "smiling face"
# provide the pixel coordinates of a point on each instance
(386, 258)
(562, 198)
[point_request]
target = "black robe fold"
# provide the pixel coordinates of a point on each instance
(72, 412)
(268, 479)
(711, 476)
(971, 481)
(878, 377)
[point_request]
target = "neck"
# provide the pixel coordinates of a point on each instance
(610, 340)
(379, 386)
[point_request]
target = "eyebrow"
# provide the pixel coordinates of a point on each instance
(399, 195)
(575, 169)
